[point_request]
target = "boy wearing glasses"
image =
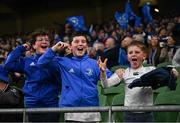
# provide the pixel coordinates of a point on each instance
(41, 87)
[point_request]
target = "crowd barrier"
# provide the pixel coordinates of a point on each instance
(109, 109)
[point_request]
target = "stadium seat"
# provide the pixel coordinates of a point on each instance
(167, 98)
(178, 69)
(102, 100)
(178, 80)
(99, 89)
(164, 64)
(118, 100)
(61, 118)
(158, 91)
(178, 88)
(104, 117)
(114, 68)
(99, 83)
(146, 65)
(112, 91)
(178, 118)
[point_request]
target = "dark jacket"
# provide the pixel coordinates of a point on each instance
(156, 78)
(112, 55)
(4, 75)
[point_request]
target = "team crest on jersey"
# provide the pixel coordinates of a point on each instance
(89, 72)
(32, 64)
(71, 70)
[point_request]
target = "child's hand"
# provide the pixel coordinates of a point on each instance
(59, 46)
(102, 65)
(27, 45)
(120, 72)
(175, 73)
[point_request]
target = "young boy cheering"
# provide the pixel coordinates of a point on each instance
(137, 96)
(80, 75)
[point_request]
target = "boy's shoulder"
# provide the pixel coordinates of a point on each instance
(142, 69)
(148, 68)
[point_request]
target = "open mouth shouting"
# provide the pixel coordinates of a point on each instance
(41, 47)
(44, 47)
(134, 61)
(79, 46)
(80, 51)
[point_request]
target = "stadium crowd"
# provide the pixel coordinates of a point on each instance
(164, 31)
(109, 41)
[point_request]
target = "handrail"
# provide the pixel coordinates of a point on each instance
(170, 108)
(109, 109)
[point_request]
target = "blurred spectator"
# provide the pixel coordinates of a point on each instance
(102, 35)
(176, 59)
(162, 36)
(66, 39)
(169, 50)
(138, 37)
(154, 51)
(92, 52)
(99, 47)
(122, 60)
(111, 52)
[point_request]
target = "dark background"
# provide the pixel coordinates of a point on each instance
(26, 15)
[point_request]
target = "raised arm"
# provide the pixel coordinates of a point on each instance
(15, 60)
(114, 79)
(49, 55)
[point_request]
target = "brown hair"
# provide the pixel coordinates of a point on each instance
(79, 34)
(139, 44)
(38, 32)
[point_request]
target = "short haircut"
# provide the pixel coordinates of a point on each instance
(78, 34)
(139, 44)
(38, 32)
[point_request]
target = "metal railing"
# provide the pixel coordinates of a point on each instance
(109, 109)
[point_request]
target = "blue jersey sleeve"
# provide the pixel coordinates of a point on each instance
(15, 61)
(49, 61)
